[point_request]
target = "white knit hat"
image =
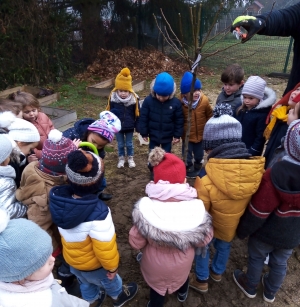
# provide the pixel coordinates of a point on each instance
(292, 143)
(23, 131)
(6, 148)
(255, 87)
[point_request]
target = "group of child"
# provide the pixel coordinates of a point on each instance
(45, 178)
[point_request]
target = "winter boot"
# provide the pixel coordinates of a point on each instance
(121, 162)
(129, 291)
(191, 172)
(131, 162)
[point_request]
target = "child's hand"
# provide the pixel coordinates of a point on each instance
(76, 142)
(32, 158)
(176, 141)
(111, 276)
(145, 139)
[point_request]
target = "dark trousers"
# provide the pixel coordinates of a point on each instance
(157, 300)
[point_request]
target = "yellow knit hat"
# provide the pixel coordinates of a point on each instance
(124, 81)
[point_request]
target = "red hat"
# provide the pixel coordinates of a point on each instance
(166, 166)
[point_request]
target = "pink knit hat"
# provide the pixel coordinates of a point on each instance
(166, 166)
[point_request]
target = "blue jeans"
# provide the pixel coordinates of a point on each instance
(90, 283)
(195, 150)
(125, 139)
(166, 146)
(218, 264)
(278, 258)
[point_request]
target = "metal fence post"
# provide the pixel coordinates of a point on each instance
(288, 55)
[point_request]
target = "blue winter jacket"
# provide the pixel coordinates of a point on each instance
(161, 121)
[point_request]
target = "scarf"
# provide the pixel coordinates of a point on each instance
(164, 190)
(28, 286)
(194, 104)
(280, 113)
(235, 150)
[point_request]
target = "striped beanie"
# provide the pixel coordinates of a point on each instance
(292, 143)
(222, 128)
(255, 87)
(54, 154)
(85, 172)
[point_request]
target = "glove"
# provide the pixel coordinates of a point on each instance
(250, 23)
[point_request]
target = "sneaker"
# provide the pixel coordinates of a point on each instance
(121, 162)
(182, 296)
(215, 277)
(131, 162)
(242, 282)
(129, 291)
(200, 286)
(268, 297)
(100, 300)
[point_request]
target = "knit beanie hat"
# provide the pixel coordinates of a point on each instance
(6, 147)
(24, 248)
(55, 152)
(23, 131)
(107, 126)
(292, 143)
(124, 81)
(163, 84)
(166, 166)
(186, 83)
(255, 87)
(222, 128)
(85, 172)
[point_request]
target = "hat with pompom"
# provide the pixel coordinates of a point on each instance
(186, 83)
(164, 84)
(124, 81)
(55, 152)
(222, 128)
(292, 143)
(85, 172)
(166, 166)
(24, 248)
(107, 126)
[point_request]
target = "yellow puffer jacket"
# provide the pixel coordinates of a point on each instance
(226, 191)
(200, 115)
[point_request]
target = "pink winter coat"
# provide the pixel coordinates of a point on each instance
(44, 125)
(168, 233)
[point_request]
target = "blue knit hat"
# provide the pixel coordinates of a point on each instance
(24, 248)
(164, 84)
(186, 83)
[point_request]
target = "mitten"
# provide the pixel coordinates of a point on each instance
(250, 23)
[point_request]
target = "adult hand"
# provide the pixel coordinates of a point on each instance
(145, 139)
(32, 158)
(76, 142)
(176, 141)
(111, 276)
(250, 23)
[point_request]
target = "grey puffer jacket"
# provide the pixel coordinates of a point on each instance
(8, 188)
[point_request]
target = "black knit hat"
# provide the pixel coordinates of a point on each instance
(85, 172)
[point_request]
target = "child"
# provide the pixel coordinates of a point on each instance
(99, 133)
(201, 113)
(276, 122)
(253, 111)
(168, 225)
(272, 222)
(231, 179)
(124, 100)
(88, 232)
(233, 81)
(8, 187)
(39, 177)
(161, 114)
(26, 263)
(32, 112)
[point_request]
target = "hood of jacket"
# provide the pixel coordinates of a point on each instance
(237, 178)
(68, 212)
(153, 93)
(268, 100)
(179, 224)
(82, 125)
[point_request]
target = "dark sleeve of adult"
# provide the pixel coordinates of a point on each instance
(259, 141)
(262, 204)
(144, 117)
(284, 22)
(179, 120)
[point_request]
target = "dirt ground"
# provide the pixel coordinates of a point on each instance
(128, 186)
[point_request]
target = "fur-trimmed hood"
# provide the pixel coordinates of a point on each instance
(268, 100)
(180, 225)
(153, 93)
